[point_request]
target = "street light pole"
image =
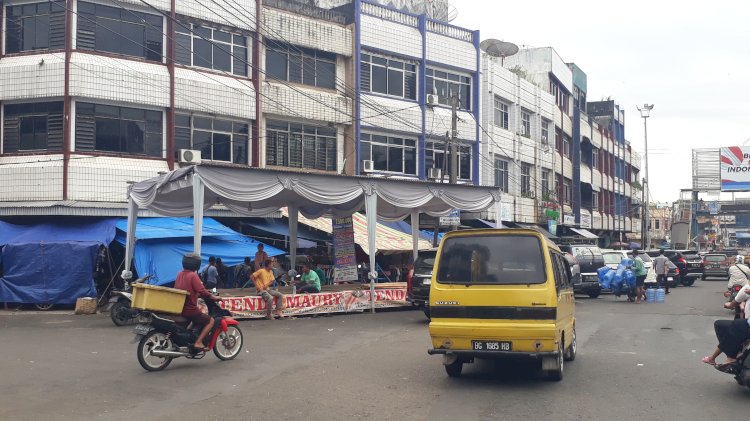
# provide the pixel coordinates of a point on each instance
(645, 113)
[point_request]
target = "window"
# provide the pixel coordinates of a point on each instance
(545, 132)
(546, 175)
(656, 224)
(594, 158)
(301, 146)
(36, 26)
(579, 98)
(558, 140)
(447, 85)
(501, 174)
(120, 31)
(566, 146)
(218, 140)
(526, 180)
(122, 130)
(525, 124)
(502, 116)
(220, 50)
(567, 191)
(595, 200)
(491, 259)
(300, 65)
(393, 154)
(435, 153)
(561, 96)
(387, 76)
(33, 127)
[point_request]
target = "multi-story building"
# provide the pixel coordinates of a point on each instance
(95, 94)
(592, 164)
(660, 224)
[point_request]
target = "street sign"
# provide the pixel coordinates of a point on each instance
(453, 218)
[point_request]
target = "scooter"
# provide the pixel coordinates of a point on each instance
(162, 338)
(120, 301)
(741, 369)
(731, 293)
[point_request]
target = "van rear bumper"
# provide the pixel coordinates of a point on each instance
(490, 354)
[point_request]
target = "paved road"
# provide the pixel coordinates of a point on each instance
(634, 361)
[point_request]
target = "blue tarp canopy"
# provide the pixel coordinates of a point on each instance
(405, 227)
(306, 237)
(51, 262)
(161, 243)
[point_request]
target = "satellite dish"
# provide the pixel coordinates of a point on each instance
(497, 48)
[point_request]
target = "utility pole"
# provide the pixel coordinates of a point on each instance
(644, 222)
(454, 147)
(646, 113)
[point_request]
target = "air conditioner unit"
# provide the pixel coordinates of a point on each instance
(522, 130)
(432, 99)
(368, 166)
(434, 174)
(189, 156)
(544, 139)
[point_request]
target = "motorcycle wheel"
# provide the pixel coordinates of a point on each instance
(150, 341)
(119, 313)
(228, 344)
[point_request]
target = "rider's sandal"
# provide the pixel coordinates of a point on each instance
(709, 360)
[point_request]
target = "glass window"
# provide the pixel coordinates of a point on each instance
(202, 46)
(595, 158)
(567, 191)
(501, 174)
(118, 30)
(525, 124)
(385, 76)
(491, 259)
(502, 115)
(218, 140)
(301, 146)
(33, 127)
(447, 85)
(566, 146)
(545, 132)
(435, 155)
(526, 170)
(301, 65)
(546, 175)
(116, 129)
(390, 154)
(35, 26)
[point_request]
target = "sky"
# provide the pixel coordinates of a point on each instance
(690, 59)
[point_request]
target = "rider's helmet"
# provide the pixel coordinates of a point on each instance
(191, 261)
(739, 259)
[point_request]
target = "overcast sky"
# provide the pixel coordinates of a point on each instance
(690, 59)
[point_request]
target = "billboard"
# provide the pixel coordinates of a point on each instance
(735, 168)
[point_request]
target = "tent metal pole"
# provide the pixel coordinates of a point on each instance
(127, 275)
(498, 214)
(293, 224)
(198, 196)
(415, 234)
(371, 207)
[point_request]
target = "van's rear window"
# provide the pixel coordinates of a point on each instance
(491, 259)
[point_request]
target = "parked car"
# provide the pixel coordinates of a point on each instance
(418, 282)
(590, 259)
(673, 277)
(590, 287)
(694, 267)
(716, 265)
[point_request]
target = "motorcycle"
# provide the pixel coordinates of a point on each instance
(120, 302)
(162, 338)
(731, 293)
(741, 369)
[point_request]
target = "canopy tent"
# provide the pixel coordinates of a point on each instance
(258, 192)
(388, 239)
(51, 262)
(161, 243)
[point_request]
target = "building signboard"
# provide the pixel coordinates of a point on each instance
(735, 168)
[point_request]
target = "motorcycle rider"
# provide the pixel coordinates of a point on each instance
(188, 280)
(738, 273)
(732, 333)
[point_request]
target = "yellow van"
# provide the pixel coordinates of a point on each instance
(502, 293)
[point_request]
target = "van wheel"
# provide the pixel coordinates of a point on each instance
(570, 354)
(593, 294)
(688, 282)
(454, 369)
(557, 373)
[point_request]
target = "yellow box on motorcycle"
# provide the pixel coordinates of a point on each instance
(158, 299)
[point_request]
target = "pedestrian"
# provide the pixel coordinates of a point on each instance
(310, 282)
(263, 279)
(210, 274)
(662, 269)
(320, 272)
(639, 270)
(242, 273)
(260, 258)
(223, 271)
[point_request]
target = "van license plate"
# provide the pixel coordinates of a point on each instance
(491, 346)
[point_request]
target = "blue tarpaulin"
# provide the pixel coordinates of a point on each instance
(306, 238)
(51, 262)
(161, 243)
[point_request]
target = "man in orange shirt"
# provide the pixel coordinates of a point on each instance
(263, 280)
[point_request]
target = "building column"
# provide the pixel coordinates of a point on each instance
(198, 198)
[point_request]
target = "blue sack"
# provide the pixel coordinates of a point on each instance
(627, 262)
(602, 271)
(630, 278)
(617, 280)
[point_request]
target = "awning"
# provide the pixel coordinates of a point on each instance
(584, 233)
(161, 243)
(388, 239)
(280, 227)
(544, 232)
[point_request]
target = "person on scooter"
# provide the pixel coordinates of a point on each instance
(188, 280)
(738, 273)
(731, 333)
